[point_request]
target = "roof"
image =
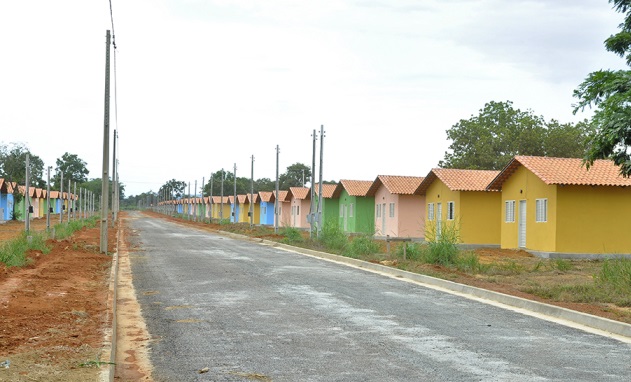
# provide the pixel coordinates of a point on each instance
(54, 194)
(353, 187)
(282, 195)
(458, 179)
(253, 198)
(300, 192)
(217, 199)
(242, 198)
(403, 185)
(564, 171)
(327, 190)
(266, 196)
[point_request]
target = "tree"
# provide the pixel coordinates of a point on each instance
(610, 93)
(294, 175)
(73, 168)
(174, 188)
(13, 165)
(489, 140)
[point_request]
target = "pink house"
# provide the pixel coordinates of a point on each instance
(284, 208)
(398, 212)
(300, 201)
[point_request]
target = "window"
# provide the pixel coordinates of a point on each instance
(430, 211)
(341, 209)
(450, 211)
(264, 210)
(298, 210)
(350, 210)
(391, 210)
(509, 214)
(378, 210)
(541, 210)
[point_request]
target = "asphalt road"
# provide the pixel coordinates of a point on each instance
(248, 312)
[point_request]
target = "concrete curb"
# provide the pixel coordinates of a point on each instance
(555, 312)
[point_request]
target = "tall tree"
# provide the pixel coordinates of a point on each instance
(489, 140)
(175, 188)
(13, 165)
(294, 175)
(610, 92)
(73, 168)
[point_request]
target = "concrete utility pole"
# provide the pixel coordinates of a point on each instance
(251, 212)
(48, 200)
(223, 175)
(195, 202)
(114, 179)
(74, 202)
(312, 204)
(106, 149)
(61, 198)
(27, 200)
(188, 208)
(234, 207)
(70, 196)
(204, 204)
(276, 212)
(210, 199)
(319, 213)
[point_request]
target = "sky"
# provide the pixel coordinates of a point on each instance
(201, 85)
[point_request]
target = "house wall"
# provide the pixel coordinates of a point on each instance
(266, 213)
(438, 192)
(479, 217)
(330, 210)
(593, 220)
(524, 185)
(391, 226)
(299, 210)
(285, 214)
(411, 211)
(362, 219)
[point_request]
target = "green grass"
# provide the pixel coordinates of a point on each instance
(361, 245)
(13, 252)
(292, 235)
(332, 236)
(64, 230)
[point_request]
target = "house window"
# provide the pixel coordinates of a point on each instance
(510, 211)
(350, 210)
(298, 210)
(450, 211)
(541, 210)
(341, 210)
(430, 211)
(391, 210)
(378, 210)
(264, 210)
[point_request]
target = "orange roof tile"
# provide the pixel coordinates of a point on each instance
(327, 190)
(353, 187)
(242, 198)
(266, 196)
(564, 171)
(402, 185)
(217, 199)
(300, 192)
(282, 195)
(458, 179)
(252, 197)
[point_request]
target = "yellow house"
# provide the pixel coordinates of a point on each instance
(556, 207)
(253, 203)
(216, 208)
(458, 201)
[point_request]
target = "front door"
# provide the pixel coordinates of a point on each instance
(522, 224)
(383, 219)
(345, 217)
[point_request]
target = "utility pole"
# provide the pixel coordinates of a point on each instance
(48, 200)
(204, 204)
(210, 199)
(234, 207)
(276, 212)
(61, 198)
(114, 179)
(251, 212)
(27, 199)
(188, 208)
(70, 196)
(106, 149)
(312, 204)
(319, 212)
(223, 175)
(195, 202)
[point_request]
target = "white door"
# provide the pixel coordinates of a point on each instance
(522, 224)
(345, 213)
(439, 219)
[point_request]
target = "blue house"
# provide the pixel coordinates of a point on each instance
(266, 207)
(6, 200)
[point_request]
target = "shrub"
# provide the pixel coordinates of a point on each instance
(442, 243)
(13, 252)
(332, 236)
(292, 235)
(413, 251)
(616, 275)
(362, 245)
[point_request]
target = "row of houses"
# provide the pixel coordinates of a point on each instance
(552, 207)
(37, 199)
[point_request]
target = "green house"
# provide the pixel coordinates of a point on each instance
(330, 203)
(356, 210)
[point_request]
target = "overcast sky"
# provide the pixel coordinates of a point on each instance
(204, 84)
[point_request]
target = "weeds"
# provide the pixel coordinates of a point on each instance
(13, 252)
(292, 235)
(362, 245)
(332, 236)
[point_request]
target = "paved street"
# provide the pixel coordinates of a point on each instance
(251, 312)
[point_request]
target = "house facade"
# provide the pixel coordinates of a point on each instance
(330, 203)
(284, 208)
(266, 208)
(356, 208)
(555, 207)
(300, 206)
(398, 211)
(458, 200)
